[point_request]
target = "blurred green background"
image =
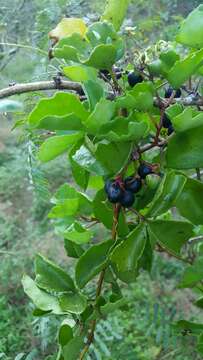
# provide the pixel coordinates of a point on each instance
(143, 330)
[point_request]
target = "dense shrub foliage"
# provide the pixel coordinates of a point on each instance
(133, 136)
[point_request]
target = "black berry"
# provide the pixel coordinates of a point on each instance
(134, 79)
(170, 129)
(118, 72)
(133, 184)
(114, 191)
(178, 93)
(144, 170)
(127, 199)
(105, 73)
(169, 91)
(166, 122)
(118, 75)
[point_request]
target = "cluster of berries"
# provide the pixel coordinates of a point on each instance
(167, 124)
(169, 91)
(123, 192)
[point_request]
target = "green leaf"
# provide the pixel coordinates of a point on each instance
(127, 101)
(92, 262)
(104, 33)
(80, 73)
(102, 114)
(86, 160)
(73, 48)
(183, 69)
(186, 120)
(69, 200)
(102, 57)
(169, 189)
(73, 250)
(65, 334)
(80, 174)
(72, 350)
(194, 328)
(172, 235)
(192, 195)
(168, 59)
(50, 277)
(66, 52)
(130, 250)
(114, 13)
(112, 305)
(143, 96)
(78, 234)
(67, 122)
(127, 277)
(124, 129)
(191, 31)
(146, 260)
(165, 62)
(74, 303)
(199, 302)
(52, 107)
(155, 67)
(40, 298)
(174, 110)
(94, 92)
(7, 105)
(192, 274)
(102, 209)
(185, 149)
(57, 145)
(200, 344)
(119, 152)
(66, 209)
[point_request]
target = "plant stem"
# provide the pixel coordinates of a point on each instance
(198, 172)
(170, 253)
(90, 337)
(24, 46)
(115, 82)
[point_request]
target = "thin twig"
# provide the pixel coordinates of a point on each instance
(39, 85)
(161, 248)
(90, 337)
(198, 173)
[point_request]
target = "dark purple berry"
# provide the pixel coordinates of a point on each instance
(105, 73)
(133, 184)
(118, 75)
(178, 93)
(169, 91)
(166, 122)
(127, 199)
(170, 129)
(144, 170)
(114, 191)
(134, 79)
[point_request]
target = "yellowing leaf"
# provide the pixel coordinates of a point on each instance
(67, 27)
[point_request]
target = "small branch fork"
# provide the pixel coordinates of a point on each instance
(90, 337)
